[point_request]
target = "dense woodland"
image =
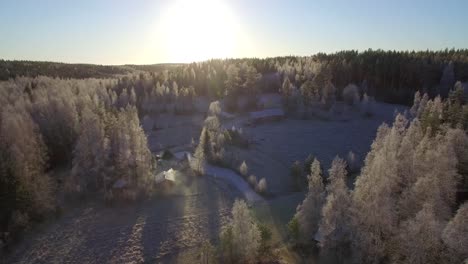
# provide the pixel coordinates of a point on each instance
(391, 76)
(403, 206)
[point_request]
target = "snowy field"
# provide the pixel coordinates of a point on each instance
(278, 144)
(165, 229)
(170, 131)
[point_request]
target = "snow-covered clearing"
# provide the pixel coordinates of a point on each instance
(278, 144)
(165, 229)
(173, 130)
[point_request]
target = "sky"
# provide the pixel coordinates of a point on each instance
(162, 31)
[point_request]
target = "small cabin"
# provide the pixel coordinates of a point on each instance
(165, 178)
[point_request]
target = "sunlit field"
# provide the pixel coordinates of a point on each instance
(222, 131)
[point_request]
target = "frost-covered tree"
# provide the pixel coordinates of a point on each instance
(252, 180)
(322, 79)
(419, 104)
(245, 233)
(90, 159)
(458, 139)
(132, 99)
(202, 152)
(410, 176)
(250, 85)
(212, 124)
(286, 88)
(351, 94)
(25, 188)
(129, 154)
(55, 112)
(174, 90)
(432, 115)
(262, 186)
(243, 169)
(374, 220)
(419, 240)
(416, 104)
(352, 162)
(123, 100)
(308, 213)
(207, 253)
(310, 93)
(289, 95)
(455, 234)
(334, 227)
(215, 108)
(232, 84)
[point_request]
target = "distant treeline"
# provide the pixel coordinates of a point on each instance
(391, 76)
(13, 69)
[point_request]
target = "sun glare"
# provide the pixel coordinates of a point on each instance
(199, 30)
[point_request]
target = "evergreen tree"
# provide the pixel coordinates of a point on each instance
(334, 227)
(309, 211)
(246, 235)
(202, 152)
(90, 159)
(232, 84)
(420, 240)
(455, 234)
(25, 188)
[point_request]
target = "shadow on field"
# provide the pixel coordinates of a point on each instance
(159, 230)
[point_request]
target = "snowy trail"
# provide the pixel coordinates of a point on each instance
(232, 178)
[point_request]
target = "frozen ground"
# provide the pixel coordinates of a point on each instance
(235, 180)
(170, 229)
(278, 144)
(162, 230)
(173, 130)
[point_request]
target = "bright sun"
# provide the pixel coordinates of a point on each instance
(199, 30)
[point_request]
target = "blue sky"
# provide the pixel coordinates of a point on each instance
(118, 32)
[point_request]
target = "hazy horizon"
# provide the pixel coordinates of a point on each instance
(182, 31)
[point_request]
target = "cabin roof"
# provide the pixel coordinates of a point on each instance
(168, 175)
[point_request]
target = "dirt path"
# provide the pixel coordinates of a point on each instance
(160, 230)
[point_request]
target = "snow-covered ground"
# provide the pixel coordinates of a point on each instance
(235, 180)
(165, 229)
(173, 130)
(169, 229)
(278, 144)
(230, 177)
